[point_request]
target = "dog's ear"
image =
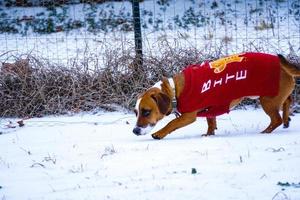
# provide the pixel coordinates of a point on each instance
(163, 102)
(166, 88)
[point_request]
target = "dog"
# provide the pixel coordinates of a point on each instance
(223, 84)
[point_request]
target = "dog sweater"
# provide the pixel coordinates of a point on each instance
(211, 86)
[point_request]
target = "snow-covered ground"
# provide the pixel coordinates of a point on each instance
(96, 156)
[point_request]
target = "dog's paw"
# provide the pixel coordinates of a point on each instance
(286, 124)
(207, 134)
(267, 131)
(159, 135)
(156, 137)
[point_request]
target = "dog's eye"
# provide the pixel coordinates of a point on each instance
(136, 113)
(146, 113)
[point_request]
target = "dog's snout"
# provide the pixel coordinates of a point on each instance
(137, 130)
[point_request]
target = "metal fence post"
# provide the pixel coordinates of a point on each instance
(137, 33)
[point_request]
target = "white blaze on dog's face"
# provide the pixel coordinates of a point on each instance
(150, 107)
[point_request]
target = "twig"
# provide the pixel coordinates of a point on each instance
(37, 164)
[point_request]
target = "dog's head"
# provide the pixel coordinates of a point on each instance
(151, 107)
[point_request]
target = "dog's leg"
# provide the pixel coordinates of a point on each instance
(183, 120)
(272, 110)
(286, 112)
(212, 126)
(272, 105)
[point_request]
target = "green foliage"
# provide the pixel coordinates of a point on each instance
(214, 5)
(8, 25)
(43, 25)
(8, 3)
(190, 19)
(104, 17)
(295, 9)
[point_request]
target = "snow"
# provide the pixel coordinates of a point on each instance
(96, 156)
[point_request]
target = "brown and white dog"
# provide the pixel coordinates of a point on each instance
(156, 102)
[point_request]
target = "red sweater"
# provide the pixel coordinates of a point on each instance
(211, 86)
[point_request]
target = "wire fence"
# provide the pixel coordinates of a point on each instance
(67, 31)
(78, 55)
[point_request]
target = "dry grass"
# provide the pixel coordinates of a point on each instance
(55, 89)
(49, 88)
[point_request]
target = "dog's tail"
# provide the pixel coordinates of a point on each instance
(290, 68)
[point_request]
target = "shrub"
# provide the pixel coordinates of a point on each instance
(55, 89)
